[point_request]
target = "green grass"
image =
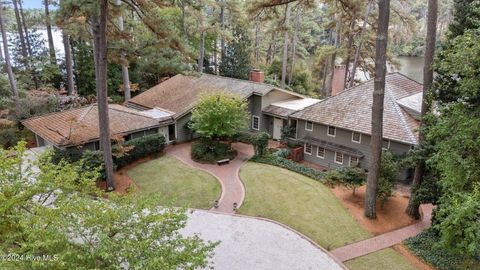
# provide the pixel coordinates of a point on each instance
(387, 259)
(304, 204)
(177, 183)
(311, 208)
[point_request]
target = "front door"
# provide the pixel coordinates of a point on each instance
(277, 128)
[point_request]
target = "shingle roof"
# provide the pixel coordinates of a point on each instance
(80, 125)
(180, 93)
(352, 109)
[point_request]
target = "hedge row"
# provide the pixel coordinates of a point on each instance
(276, 160)
(425, 245)
(140, 147)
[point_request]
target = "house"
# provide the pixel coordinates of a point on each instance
(269, 106)
(79, 127)
(335, 132)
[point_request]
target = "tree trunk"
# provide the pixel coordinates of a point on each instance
(271, 48)
(8, 65)
(285, 46)
(68, 63)
(360, 42)
(51, 47)
(201, 52)
(222, 26)
(20, 30)
(377, 109)
(123, 60)
(331, 66)
(257, 42)
(349, 50)
(294, 48)
(1, 53)
(100, 47)
(413, 206)
(29, 47)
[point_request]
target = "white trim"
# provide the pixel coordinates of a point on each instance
(334, 131)
(253, 122)
(335, 158)
(350, 162)
(306, 124)
(360, 138)
(305, 149)
(322, 157)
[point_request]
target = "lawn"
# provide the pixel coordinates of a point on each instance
(311, 208)
(304, 204)
(177, 183)
(387, 259)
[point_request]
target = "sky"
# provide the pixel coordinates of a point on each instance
(34, 4)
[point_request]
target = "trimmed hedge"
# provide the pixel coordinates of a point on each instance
(425, 246)
(141, 147)
(258, 140)
(277, 160)
(209, 151)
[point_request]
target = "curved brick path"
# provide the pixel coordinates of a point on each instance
(233, 190)
(385, 240)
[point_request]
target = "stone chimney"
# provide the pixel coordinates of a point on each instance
(338, 83)
(257, 76)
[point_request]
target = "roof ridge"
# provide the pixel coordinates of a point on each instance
(50, 113)
(405, 76)
(82, 116)
(129, 112)
(397, 109)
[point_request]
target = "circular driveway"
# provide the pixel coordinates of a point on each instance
(250, 243)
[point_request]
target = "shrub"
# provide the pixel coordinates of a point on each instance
(141, 147)
(9, 137)
(425, 245)
(353, 177)
(388, 176)
(281, 162)
(205, 150)
(260, 143)
(283, 153)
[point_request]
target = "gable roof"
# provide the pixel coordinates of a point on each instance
(352, 109)
(181, 93)
(80, 125)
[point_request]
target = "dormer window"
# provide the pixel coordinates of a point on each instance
(331, 131)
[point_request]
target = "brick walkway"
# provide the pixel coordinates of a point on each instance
(385, 240)
(233, 190)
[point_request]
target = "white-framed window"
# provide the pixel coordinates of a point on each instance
(338, 158)
(307, 149)
(320, 152)
(255, 122)
(309, 126)
(331, 131)
(385, 144)
(353, 161)
(356, 137)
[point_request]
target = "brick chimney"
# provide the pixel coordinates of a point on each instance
(257, 76)
(338, 83)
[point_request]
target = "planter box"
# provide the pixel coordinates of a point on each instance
(296, 154)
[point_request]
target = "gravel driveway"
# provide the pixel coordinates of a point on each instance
(254, 244)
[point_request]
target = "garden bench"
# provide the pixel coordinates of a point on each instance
(223, 161)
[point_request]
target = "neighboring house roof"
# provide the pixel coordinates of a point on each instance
(412, 104)
(352, 109)
(80, 125)
(181, 93)
(285, 108)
